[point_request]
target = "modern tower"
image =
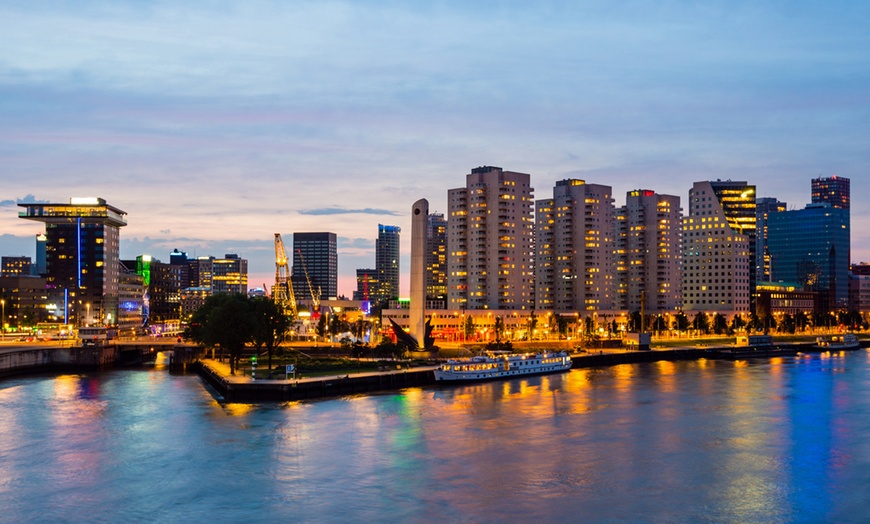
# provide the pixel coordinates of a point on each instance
(490, 238)
(417, 314)
(719, 247)
(834, 190)
(649, 252)
(315, 265)
(387, 262)
(575, 242)
(810, 247)
(436, 258)
(82, 264)
(764, 207)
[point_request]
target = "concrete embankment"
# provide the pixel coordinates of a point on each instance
(236, 388)
(239, 388)
(55, 360)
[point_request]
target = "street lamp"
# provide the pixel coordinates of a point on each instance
(3, 321)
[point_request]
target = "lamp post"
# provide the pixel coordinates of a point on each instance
(3, 319)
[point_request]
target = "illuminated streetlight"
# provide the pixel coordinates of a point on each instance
(3, 321)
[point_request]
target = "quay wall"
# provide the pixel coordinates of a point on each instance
(56, 360)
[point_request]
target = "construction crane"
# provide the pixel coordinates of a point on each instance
(315, 295)
(282, 293)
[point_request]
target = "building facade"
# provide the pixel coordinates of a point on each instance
(15, 266)
(229, 275)
(315, 266)
(490, 238)
(811, 247)
(763, 208)
(833, 190)
(718, 248)
(387, 262)
(436, 258)
(649, 252)
(575, 243)
(82, 264)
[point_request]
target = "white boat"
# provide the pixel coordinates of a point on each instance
(503, 366)
(838, 342)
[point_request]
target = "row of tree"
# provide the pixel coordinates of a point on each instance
(232, 321)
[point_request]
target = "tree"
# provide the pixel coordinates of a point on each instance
(701, 323)
(720, 324)
(499, 328)
(738, 323)
(468, 327)
(801, 320)
(322, 327)
(272, 324)
(681, 321)
(660, 324)
(224, 321)
(562, 326)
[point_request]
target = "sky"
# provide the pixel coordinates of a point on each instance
(217, 124)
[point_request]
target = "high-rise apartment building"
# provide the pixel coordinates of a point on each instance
(82, 264)
(181, 260)
(315, 265)
(810, 247)
(436, 258)
(649, 252)
(718, 248)
(490, 240)
(387, 262)
(834, 190)
(764, 206)
(230, 275)
(575, 243)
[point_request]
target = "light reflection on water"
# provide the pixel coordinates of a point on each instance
(709, 441)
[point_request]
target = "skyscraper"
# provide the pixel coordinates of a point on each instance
(810, 247)
(649, 251)
(763, 208)
(718, 248)
(575, 242)
(82, 265)
(834, 190)
(490, 237)
(315, 262)
(387, 262)
(436, 258)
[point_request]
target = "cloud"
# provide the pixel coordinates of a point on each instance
(29, 199)
(338, 211)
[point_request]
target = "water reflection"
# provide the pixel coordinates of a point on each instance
(751, 441)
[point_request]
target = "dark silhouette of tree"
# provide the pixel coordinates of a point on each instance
(681, 321)
(720, 324)
(224, 321)
(701, 323)
(272, 325)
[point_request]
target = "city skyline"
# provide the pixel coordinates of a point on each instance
(214, 129)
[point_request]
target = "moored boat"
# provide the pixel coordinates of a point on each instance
(845, 342)
(502, 366)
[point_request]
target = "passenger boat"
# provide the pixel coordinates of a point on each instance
(494, 366)
(844, 342)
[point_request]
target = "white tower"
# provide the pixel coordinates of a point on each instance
(419, 224)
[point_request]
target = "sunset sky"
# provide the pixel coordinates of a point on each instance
(216, 124)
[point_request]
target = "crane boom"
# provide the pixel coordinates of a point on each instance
(282, 293)
(315, 295)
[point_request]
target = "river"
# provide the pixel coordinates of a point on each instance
(781, 440)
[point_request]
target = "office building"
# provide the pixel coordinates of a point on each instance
(718, 248)
(82, 265)
(39, 268)
(764, 206)
(131, 302)
(575, 243)
(649, 252)
(24, 300)
(183, 262)
(811, 247)
(833, 190)
(366, 284)
(229, 275)
(315, 266)
(15, 266)
(387, 262)
(490, 240)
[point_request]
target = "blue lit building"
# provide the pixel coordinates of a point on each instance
(811, 247)
(387, 262)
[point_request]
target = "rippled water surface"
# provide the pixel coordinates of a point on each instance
(786, 440)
